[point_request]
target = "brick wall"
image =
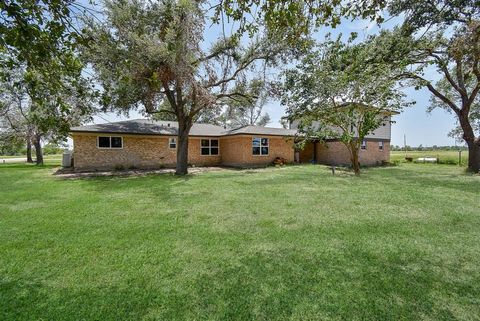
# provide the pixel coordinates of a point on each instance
(153, 152)
(306, 154)
(373, 155)
(335, 153)
(237, 150)
(195, 157)
(138, 152)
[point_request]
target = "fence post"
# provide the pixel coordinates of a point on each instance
(460, 158)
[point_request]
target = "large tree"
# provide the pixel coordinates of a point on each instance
(42, 35)
(338, 92)
(457, 131)
(152, 56)
(248, 110)
(293, 20)
(41, 72)
(35, 31)
(442, 37)
(38, 112)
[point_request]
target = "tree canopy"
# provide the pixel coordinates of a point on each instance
(443, 36)
(33, 32)
(339, 91)
(247, 110)
(152, 57)
(35, 112)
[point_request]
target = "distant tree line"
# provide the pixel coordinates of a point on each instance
(17, 147)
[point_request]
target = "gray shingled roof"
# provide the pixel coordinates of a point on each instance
(260, 130)
(156, 127)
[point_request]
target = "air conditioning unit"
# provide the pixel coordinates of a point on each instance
(67, 160)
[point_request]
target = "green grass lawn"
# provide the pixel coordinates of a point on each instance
(293, 243)
(445, 156)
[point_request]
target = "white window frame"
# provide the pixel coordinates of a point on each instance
(381, 146)
(110, 139)
(172, 141)
(364, 145)
(210, 146)
(260, 146)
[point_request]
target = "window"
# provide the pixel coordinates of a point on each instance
(260, 146)
(380, 145)
(172, 143)
(109, 142)
(364, 144)
(104, 142)
(209, 147)
(116, 142)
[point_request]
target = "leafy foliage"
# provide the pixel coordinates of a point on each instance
(34, 32)
(293, 20)
(39, 39)
(33, 113)
(248, 110)
(434, 14)
(10, 143)
(149, 56)
(445, 36)
(338, 91)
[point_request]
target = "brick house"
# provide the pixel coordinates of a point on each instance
(146, 143)
(375, 148)
(143, 143)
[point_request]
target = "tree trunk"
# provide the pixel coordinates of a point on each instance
(355, 162)
(472, 143)
(29, 150)
(182, 148)
(38, 149)
(474, 155)
(353, 150)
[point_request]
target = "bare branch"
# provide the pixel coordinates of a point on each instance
(444, 67)
(233, 77)
(235, 94)
(433, 90)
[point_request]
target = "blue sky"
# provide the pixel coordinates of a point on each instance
(419, 126)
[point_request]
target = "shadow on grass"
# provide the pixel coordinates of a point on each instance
(278, 285)
(292, 286)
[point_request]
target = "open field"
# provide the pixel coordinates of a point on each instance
(47, 159)
(292, 243)
(445, 156)
(50, 157)
(12, 156)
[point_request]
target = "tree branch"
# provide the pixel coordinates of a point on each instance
(460, 77)
(234, 94)
(443, 66)
(242, 67)
(474, 94)
(166, 111)
(433, 90)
